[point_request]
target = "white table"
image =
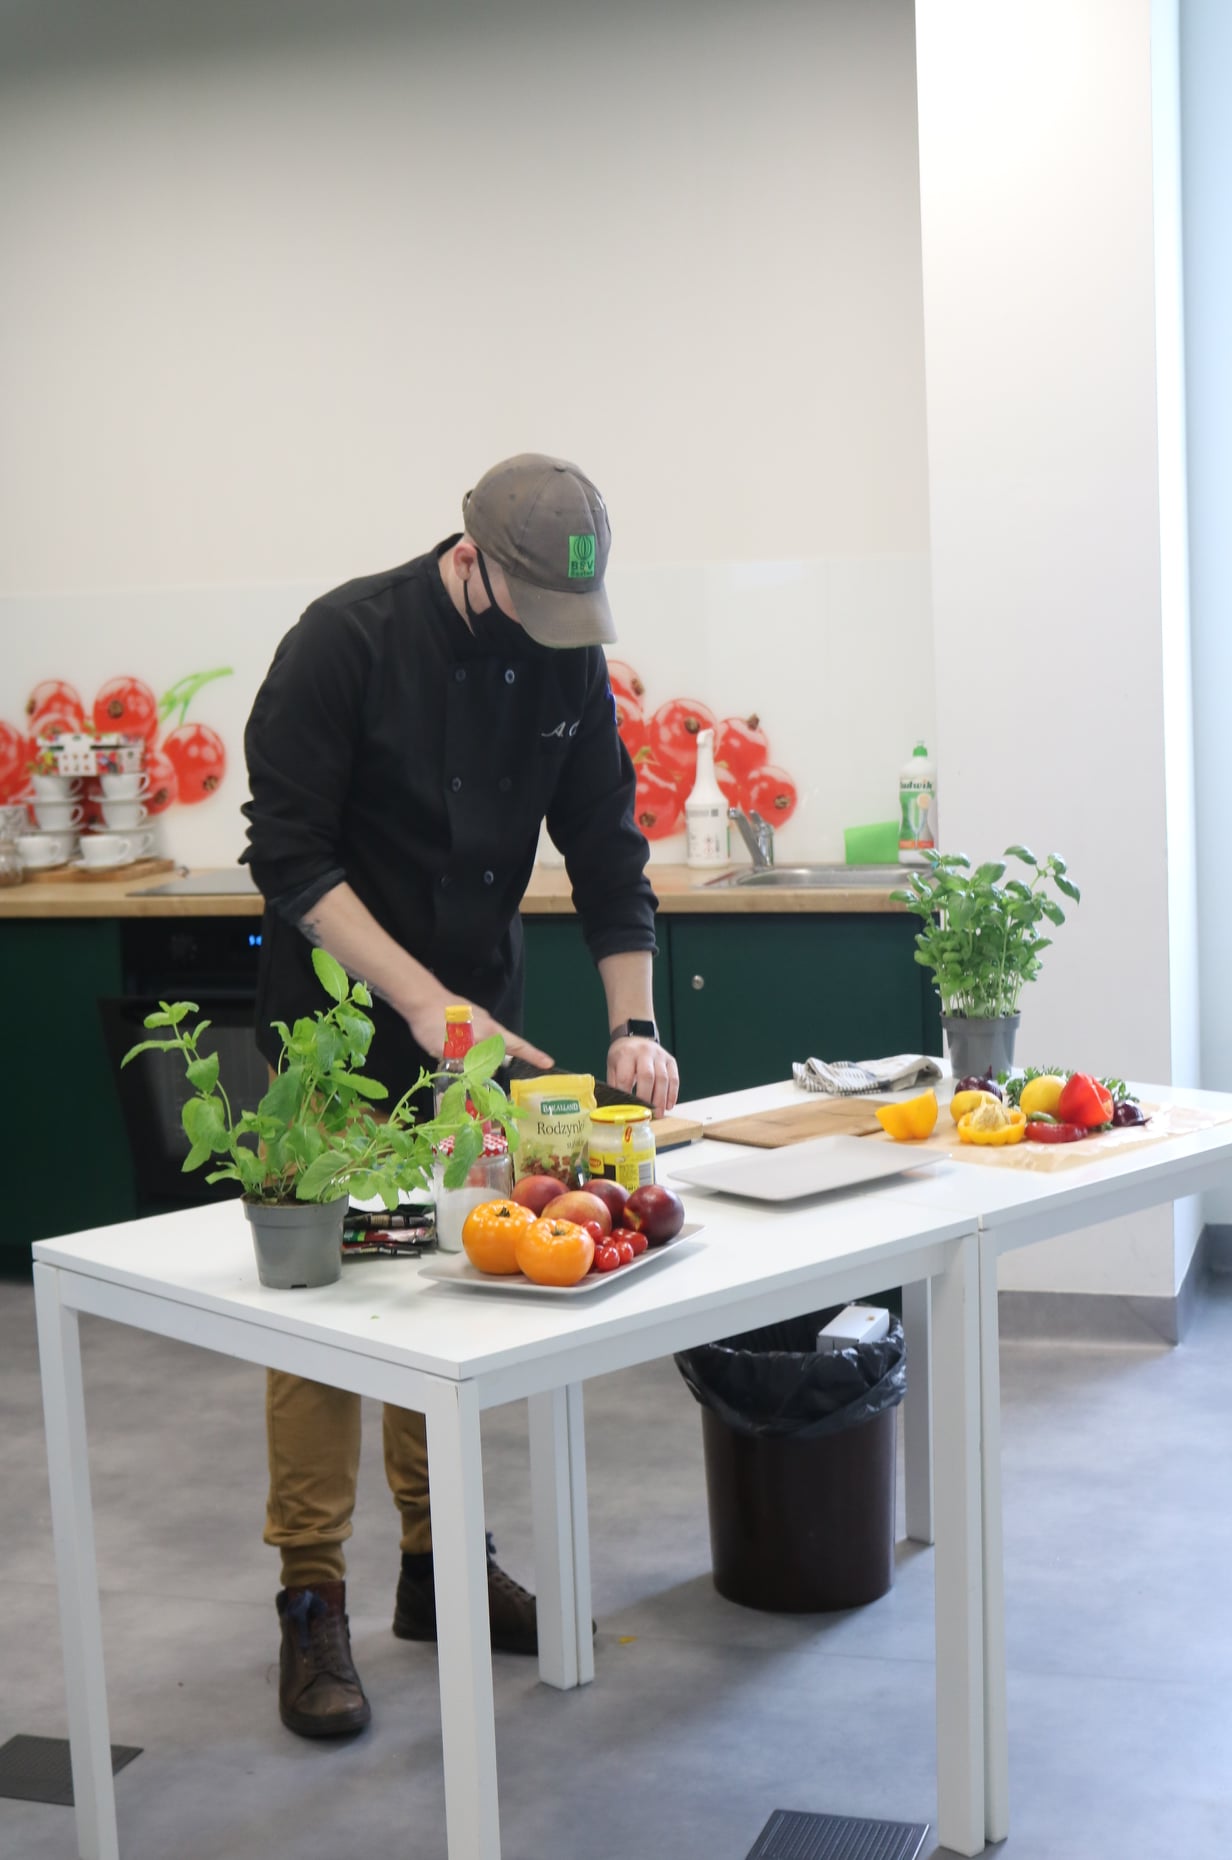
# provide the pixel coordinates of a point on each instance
(385, 1332)
(1012, 1208)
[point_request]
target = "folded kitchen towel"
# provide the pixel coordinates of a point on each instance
(845, 1079)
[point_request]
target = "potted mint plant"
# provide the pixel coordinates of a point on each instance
(982, 939)
(314, 1139)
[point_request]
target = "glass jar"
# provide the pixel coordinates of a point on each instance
(489, 1179)
(622, 1145)
(11, 871)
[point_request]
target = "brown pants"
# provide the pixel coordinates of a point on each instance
(313, 1434)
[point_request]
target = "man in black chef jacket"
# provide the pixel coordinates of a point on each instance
(413, 732)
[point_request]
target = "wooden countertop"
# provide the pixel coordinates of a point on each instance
(681, 892)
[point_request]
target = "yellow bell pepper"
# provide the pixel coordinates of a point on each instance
(992, 1124)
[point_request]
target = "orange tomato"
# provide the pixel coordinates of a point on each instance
(554, 1252)
(490, 1232)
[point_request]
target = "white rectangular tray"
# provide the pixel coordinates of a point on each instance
(817, 1167)
(455, 1269)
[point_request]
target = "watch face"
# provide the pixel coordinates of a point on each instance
(643, 1029)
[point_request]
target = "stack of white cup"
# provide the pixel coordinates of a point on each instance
(58, 812)
(123, 836)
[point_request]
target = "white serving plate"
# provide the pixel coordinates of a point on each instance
(456, 1269)
(816, 1167)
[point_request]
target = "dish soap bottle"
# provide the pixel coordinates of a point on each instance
(917, 807)
(705, 811)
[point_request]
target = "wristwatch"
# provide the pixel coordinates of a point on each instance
(636, 1030)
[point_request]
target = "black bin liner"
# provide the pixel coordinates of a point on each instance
(800, 1466)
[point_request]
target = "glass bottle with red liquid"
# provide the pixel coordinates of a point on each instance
(459, 1039)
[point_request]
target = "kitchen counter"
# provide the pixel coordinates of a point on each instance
(681, 893)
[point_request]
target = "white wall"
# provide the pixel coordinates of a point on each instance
(1206, 59)
(1051, 276)
(274, 295)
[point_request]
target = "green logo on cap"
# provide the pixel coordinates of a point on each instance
(581, 558)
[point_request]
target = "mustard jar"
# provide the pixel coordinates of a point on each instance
(622, 1145)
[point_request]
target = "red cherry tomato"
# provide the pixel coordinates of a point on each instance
(126, 706)
(16, 751)
(772, 794)
(595, 1230)
(674, 730)
(199, 758)
(607, 1258)
(625, 1251)
(627, 688)
(740, 746)
(658, 804)
(629, 1236)
(164, 782)
(53, 708)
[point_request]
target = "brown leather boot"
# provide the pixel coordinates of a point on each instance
(511, 1608)
(319, 1693)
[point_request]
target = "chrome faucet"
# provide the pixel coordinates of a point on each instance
(757, 834)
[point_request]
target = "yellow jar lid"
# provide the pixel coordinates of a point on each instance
(621, 1114)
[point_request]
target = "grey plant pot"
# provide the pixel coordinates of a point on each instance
(297, 1243)
(975, 1045)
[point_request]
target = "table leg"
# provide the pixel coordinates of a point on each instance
(72, 1524)
(918, 1418)
(959, 1613)
(468, 1725)
(562, 1537)
(996, 1731)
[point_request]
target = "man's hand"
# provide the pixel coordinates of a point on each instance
(427, 1024)
(645, 1070)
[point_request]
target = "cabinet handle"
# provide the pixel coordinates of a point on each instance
(699, 981)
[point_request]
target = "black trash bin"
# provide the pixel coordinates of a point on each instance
(800, 1466)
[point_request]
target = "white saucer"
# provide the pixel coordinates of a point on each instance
(96, 865)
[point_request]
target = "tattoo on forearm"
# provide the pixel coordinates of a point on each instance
(308, 929)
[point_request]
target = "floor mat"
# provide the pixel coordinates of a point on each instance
(792, 1836)
(37, 1769)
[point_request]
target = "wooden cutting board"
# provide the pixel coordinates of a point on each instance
(795, 1123)
(672, 1133)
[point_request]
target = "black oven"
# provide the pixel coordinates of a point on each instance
(209, 960)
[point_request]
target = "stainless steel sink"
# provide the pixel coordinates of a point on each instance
(814, 878)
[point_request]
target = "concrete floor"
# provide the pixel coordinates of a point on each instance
(704, 1716)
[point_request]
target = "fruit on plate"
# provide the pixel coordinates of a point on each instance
(637, 1240)
(964, 1101)
(911, 1121)
(490, 1232)
(535, 1192)
(581, 1206)
(1084, 1101)
(609, 1192)
(1041, 1094)
(654, 1211)
(992, 1123)
(552, 1252)
(607, 1258)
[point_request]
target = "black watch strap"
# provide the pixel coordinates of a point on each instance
(635, 1030)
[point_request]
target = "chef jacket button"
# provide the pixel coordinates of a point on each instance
(456, 783)
(504, 784)
(489, 878)
(444, 881)
(460, 674)
(510, 675)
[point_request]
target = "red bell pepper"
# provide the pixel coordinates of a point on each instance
(1084, 1101)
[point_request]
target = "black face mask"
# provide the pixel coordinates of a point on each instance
(494, 629)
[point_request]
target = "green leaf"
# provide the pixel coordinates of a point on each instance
(203, 1073)
(1068, 888)
(1021, 852)
(282, 1098)
(358, 1081)
(227, 1173)
(176, 1011)
(197, 1155)
(330, 973)
(360, 995)
(312, 1184)
(1053, 912)
(989, 874)
(198, 1030)
(157, 1020)
(150, 1046)
(484, 1058)
(204, 1125)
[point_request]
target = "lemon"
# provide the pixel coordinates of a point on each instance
(964, 1101)
(1042, 1095)
(910, 1122)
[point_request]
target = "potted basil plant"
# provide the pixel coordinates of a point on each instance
(982, 939)
(314, 1140)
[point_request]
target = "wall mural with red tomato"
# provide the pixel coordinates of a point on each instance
(186, 760)
(663, 745)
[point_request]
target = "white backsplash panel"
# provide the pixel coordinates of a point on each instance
(833, 656)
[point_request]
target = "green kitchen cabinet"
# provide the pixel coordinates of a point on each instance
(565, 1007)
(68, 1158)
(750, 994)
